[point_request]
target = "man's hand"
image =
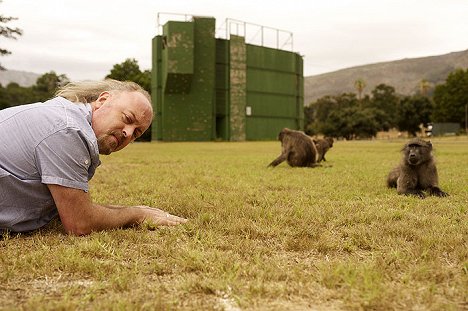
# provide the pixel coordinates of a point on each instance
(157, 216)
(80, 216)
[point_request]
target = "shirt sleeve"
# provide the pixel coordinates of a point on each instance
(63, 158)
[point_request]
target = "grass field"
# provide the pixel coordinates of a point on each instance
(327, 238)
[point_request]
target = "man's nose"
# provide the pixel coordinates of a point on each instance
(128, 131)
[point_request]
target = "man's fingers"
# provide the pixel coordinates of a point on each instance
(168, 221)
(165, 219)
(175, 218)
(159, 213)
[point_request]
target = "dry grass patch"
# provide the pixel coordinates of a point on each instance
(328, 238)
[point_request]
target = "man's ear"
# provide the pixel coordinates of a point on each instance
(102, 98)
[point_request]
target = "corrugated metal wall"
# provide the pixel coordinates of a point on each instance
(205, 88)
(184, 86)
(274, 82)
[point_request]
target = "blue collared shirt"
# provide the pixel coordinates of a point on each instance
(43, 143)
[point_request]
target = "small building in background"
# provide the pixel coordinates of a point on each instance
(234, 88)
(445, 129)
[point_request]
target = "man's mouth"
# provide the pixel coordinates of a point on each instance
(117, 140)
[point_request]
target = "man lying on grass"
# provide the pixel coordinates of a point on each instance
(49, 151)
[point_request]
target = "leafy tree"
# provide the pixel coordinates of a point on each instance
(49, 82)
(145, 80)
(129, 70)
(385, 100)
(342, 116)
(451, 98)
(14, 94)
(3, 98)
(412, 112)
(351, 123)
(317, 113)
(382, 119)
(309, 112)
(7, 32)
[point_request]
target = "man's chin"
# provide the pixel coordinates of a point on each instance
(105, 152)
(105, 148)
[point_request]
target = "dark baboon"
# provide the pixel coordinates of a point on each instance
(297, 149)
(417, 171)
(323, 145)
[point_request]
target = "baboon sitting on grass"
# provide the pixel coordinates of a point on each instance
(297, 149)
(417, 171)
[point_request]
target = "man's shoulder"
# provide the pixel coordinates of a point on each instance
(60, 104)
(62, 113)
(35, 122)
(51, 108)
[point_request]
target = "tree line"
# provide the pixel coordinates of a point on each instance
(354, 116)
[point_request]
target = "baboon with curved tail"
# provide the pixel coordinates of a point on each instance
(297, 149)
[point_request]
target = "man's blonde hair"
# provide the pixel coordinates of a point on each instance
(89, 91)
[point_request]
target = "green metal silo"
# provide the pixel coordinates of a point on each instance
(205, 88)
(183, 81)
(274, 92)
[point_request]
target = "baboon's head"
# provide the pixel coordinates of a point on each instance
(417, 151)
(330, 141)
(283, 133)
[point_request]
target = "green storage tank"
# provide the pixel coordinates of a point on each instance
(205, 88)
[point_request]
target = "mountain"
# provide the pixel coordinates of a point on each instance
(404, 75)
(23, 78)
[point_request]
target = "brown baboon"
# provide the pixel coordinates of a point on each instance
(297, 149)
(417, 171)
(323, 145)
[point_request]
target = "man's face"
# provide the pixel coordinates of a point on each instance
(119, 118)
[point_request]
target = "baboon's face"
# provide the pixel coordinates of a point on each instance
(416, 153)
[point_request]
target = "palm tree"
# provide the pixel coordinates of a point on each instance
(359, 84)
(424, 87)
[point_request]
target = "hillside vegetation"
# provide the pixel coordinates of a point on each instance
(404, 75)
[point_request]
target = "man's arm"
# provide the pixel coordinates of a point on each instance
(80, 216)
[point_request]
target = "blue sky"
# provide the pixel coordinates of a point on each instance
(84, 38)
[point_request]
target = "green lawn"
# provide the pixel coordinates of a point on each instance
(326, 238)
